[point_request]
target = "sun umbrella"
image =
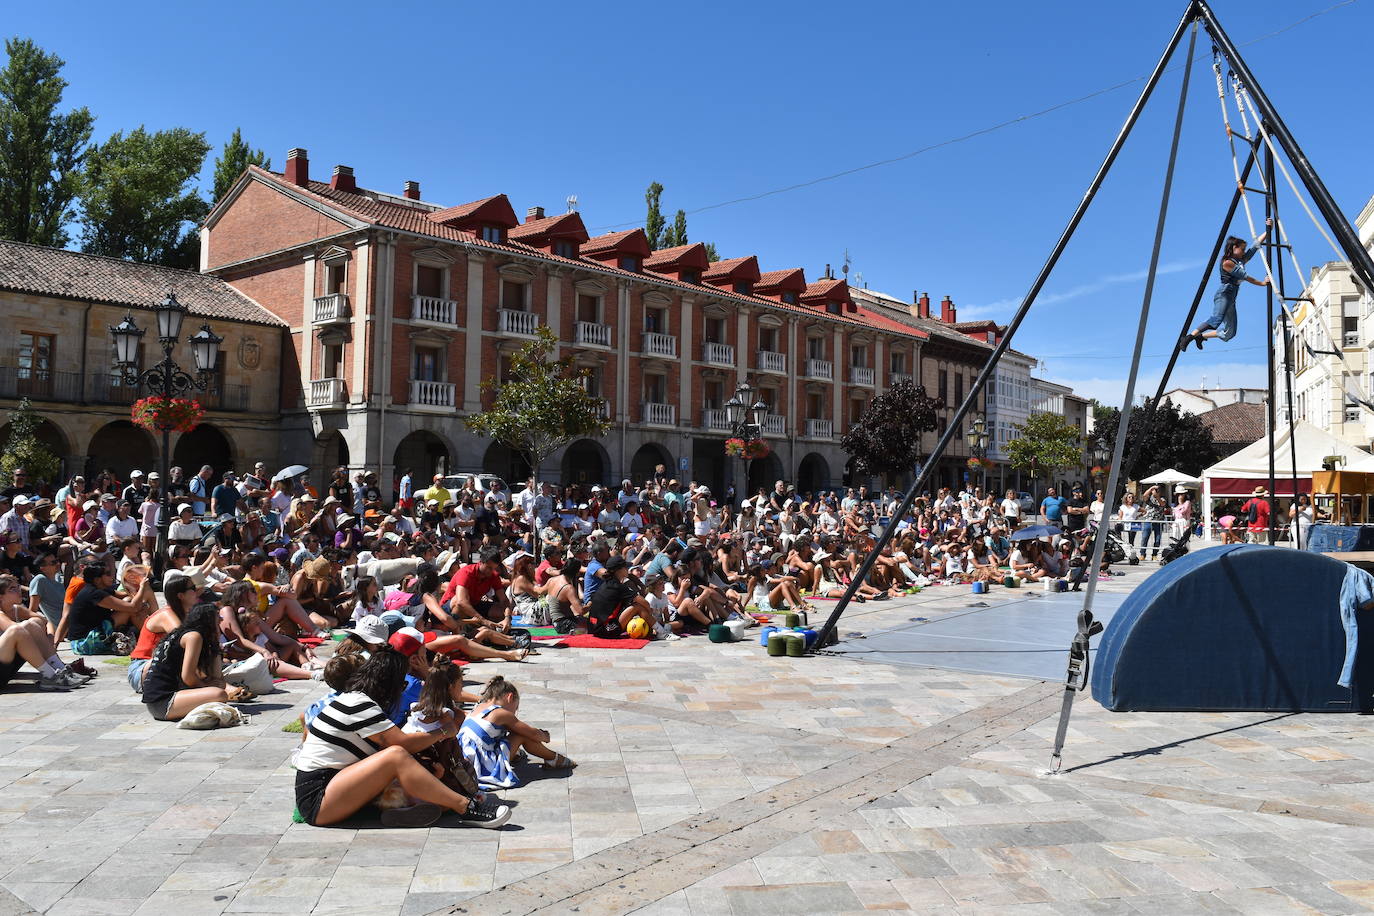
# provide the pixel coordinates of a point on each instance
(1033, 532)
(287, 473)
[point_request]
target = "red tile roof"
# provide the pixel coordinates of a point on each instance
(495, 210)
(833, 290)
(693, 254)
(1235, 422)
(563, 226)
(791, 278)
(746, 268)
(409, 217)
(92, 278)
(628, 241)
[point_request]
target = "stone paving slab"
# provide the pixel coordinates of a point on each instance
(715, 779)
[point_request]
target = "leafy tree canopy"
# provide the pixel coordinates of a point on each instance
(1045, 443)
(661, 233)
(1171, 439)
(41, 150)
(887, 438)
(23, 448)
(233, 159)
(138, 197)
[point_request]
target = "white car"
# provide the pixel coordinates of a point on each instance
(454, 483)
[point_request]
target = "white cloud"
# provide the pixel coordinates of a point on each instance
(1001, 306)
(1110, 390)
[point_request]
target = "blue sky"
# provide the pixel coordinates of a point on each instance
(721, 101)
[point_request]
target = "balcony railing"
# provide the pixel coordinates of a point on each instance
(774, 425)
(331, 308)
(660, 344)
(40, 384)
(605, 409)
(820, 368)
(433, 310)
(327, 392)
(895, 377)
(718, 354)
(819, 429)
(660, 414)
(110, 389)
(512, 322)
(860, 375)
(591, 334)
(772, 362)
(225, 397)
(431, 394)
(715, 419)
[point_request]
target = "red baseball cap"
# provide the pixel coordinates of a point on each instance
(408, 640)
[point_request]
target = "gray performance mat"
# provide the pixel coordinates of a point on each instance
(1025, 637)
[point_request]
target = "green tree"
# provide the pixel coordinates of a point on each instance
(887, 438)
(1045, 443)
(233, 159)
(25, 450)
(711, 252)
(540, 407)
(41, 150)
(654, 222)
(1169, 439)
(676, 234)
(138, 197)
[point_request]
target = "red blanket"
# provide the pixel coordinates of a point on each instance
(585, 641)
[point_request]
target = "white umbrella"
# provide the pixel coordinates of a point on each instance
(287, 473)
(1173, 477)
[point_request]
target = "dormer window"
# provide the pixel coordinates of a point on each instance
(834, 308)
(565, 249)
(789, 296)
(492, 234)
(743, 286)
(691, 276)
(629, 263)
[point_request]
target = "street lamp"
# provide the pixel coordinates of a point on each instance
(745, 412)
(978, 448)
(166, 379)
(1098, 456)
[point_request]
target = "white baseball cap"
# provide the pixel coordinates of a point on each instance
(371, 630)
(135, 473)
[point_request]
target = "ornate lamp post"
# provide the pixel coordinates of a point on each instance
(978, 448)
(1097, 456)
(166, 379)
(745, 416)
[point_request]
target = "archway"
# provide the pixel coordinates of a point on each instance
(201, 446)
(649, 457)
(330, 451)
(585, 462)
(813, 474)
(55, 441)
(509, 465)
(120, 447)
(423, 454)
(763, 473)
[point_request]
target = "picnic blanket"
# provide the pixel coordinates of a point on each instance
(586, 641)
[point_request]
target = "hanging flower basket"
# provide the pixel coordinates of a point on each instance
(975, 464)
(1100, 470)
(746, 448)
(179, 415)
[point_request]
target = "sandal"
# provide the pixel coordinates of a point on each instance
(559, 762)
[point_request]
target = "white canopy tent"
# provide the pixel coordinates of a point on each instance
(1172, 478)
(1239, 474)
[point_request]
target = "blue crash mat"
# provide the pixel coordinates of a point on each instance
(1028, 636)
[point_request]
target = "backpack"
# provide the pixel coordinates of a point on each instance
(1251, 513)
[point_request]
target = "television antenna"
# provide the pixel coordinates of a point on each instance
(572, 203)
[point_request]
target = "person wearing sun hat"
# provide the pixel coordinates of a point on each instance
(1256, 515)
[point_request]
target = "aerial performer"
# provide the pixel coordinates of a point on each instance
(1222, 324)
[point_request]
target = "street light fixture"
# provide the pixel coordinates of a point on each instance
(745, 412)
(978, 448)
(166, 379)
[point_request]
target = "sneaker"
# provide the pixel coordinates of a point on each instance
(485, 813)
(83, 669)
(52, 684)
(71, 678)
(421, 815)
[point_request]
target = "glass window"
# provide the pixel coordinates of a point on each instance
(565, 249)
(743, 286)
(492, 234)
(331, 361)
(513, 295)
(715, 330)
(691, 275)
(335, 278)
(429, 281)
(589, 308)
(858, 357)
(942, 388)
(428, 364)
(768, 340)
(789, 296)
(629, 263)
(897, 363)
(656, 321)
(655, 387)
(833, 308)
(815, 348)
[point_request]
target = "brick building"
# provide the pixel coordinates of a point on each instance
(58, 353)
(398, 309)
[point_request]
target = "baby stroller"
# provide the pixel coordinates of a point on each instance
(1177, 548)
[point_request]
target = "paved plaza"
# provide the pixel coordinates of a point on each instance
(715, 780)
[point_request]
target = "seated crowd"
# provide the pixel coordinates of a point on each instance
(256, 575)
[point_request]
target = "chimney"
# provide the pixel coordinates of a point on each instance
(343, 179)
(923, 306)
(412, 190)
(298, 166)
(947, 313)
(534, 213)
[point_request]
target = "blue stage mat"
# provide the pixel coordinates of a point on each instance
(1027, 637)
